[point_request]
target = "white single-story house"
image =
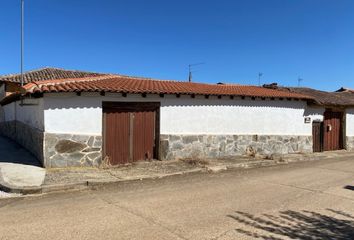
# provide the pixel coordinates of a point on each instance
(333, 127)
(73, 120)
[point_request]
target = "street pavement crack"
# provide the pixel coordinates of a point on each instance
(148, 219)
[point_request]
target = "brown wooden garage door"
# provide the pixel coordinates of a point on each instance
(333, 139)
(130, 132)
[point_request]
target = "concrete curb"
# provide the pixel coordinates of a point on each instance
(5, 187)
(96, 184)
(84, 185)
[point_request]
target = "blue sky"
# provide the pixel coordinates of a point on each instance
(283, 39)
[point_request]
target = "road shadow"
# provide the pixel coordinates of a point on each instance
(11, 152)
(307, 225)
(349, 187)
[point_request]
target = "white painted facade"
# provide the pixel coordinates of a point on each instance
(2, 90)
(315, 113)
(32, 115)
(2, 95)
(350, 122)
(68, 113)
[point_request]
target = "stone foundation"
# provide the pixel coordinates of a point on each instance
(219, 146)
(350, 143)
(25, 135)
(70, 150)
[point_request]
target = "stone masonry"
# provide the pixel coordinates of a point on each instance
(25, 135)
(350, 143)
(70, 150)
(219, 146)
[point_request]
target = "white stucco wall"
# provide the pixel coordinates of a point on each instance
(32, 115)
(9, 112)
(2, 95)
(315, 113)
(2, 90)
(68, 113)
(350, 122)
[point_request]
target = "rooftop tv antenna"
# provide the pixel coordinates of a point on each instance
(190, 68)
(299, 80)
(259, 78)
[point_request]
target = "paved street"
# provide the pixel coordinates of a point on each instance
(313, 200)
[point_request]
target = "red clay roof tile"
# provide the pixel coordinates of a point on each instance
(47, 73)
(134, 85)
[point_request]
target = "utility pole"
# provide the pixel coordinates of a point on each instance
(299, 80)
(22, 37)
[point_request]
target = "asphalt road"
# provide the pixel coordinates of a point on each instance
(313, 200)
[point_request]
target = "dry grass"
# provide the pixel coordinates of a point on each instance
(195, 161)
(105, 163)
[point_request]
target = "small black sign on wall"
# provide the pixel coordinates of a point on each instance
(307, 120)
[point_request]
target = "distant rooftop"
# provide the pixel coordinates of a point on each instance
(339, 98)
(47, 73)
(343, 89)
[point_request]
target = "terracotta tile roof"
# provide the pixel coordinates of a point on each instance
(324, 98)
(132, 85)
(47, 73)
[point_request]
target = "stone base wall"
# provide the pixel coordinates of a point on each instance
(350, 143)
(70, 150)
(219, 146)
(25, 135)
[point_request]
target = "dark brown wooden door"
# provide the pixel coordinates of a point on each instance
(332, 131)
(117, 130)
(130, 132)
(317, 136)
(144, 135)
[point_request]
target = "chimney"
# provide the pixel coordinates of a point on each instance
(271, 86)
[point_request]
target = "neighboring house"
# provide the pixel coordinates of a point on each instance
(343, 89)
(118, 119)
(333, 127)
(11, 83)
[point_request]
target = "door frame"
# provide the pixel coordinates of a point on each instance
(132, 106)
(342, 130)
(321, 137)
